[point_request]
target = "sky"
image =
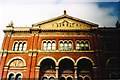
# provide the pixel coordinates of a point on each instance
(24, 13)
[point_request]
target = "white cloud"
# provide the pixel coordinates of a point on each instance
(26, 14)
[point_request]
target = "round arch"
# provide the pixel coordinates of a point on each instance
(65, 57)
(84, 57)
(47, 57)
(8, 63)
(110, 59)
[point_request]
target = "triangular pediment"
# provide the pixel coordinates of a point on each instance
(64, 22)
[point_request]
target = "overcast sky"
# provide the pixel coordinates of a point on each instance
(27, 12)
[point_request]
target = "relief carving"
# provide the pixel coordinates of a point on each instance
(17, 63)
(65, 23)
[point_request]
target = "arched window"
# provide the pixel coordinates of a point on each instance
(65, 45)
(44, 46)
(86, 78)
(15, 48)
(80, 78)
(62, 78)
(18, 77)
(69, 78)
(24, 46)
(49, 45)
(61, 46)
(44, 78)
(78, 46)
(11, 76)
(20, 46)
(86, 45)
(53, 46)
(70, 46)
(82, 45)
(52, 78)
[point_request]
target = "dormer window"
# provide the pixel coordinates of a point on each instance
(19, 46)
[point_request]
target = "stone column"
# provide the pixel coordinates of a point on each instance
(56, 72)
(75, 73)
(95, 73)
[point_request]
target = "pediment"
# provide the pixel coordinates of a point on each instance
(65, 22)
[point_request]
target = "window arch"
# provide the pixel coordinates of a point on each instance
(11, 76)
(65, 45)
(19, 46)
(44, 78)
(52, 78)
(48, 45)
(18, 77)
(79, 78)
(61, 46)
(78, 45)
(82, 45)
(24, 46)
(86, 45)
(15, 48)
(62, 78)
(53, 46)
(69, 78)
(87, 78)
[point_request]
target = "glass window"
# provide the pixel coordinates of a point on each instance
(20, 46)
(18, 77)
(86, 45)
(53, 46)
(77, 46)
(52, 78)
(62, 78)
(86, 78)
(44, 46)
(69, 78)
(44, 78)
(49, 45)
(61, 45)
(15, 48)
(70, 45)
(82, 45)
(80, 78)
(24, 46)
(11, 77)
(65, 45)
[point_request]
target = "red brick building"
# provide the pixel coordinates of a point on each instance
(61, 48)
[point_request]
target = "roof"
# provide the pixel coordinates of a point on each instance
(65, 16)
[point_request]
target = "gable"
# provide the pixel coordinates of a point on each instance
(65, 22)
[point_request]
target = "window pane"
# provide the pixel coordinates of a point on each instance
(15, 46)
(20, 46)
(86, 45)
(18, 77)
(70, 46)
(44, 78)
(52, 78)
(53, 46)
(44, 46)
(65, 46)
(11, 77)
(61, 45)
(49, 46)
(24, 46)
(78, 46)
(82, 45)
